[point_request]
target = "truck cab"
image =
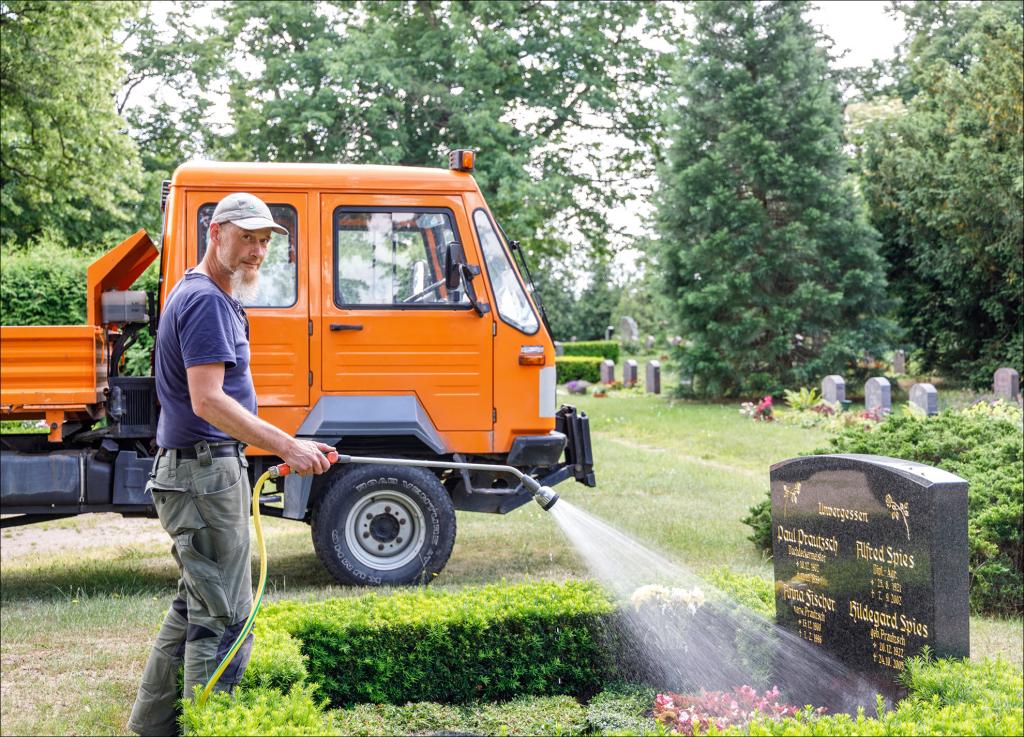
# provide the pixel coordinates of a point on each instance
(391, 321)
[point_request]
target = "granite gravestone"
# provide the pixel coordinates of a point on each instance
(878, 395)
(925, 397)
(607, 371)
(1006, 384)
(833, 389)
(629, 332)
(649, 343)
(559, 349)
(608, 331)
(899, 362)
(870, 558)
(653, 379)
(629, 373)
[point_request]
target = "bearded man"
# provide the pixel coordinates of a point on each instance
(200, 483)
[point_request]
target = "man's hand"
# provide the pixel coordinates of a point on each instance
(307, 456)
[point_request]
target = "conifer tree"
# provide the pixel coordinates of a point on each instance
(773, 272)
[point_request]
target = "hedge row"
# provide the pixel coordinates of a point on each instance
(591, 348)
(983, 445)
(576, 368)
(494, 642)
(45, 284)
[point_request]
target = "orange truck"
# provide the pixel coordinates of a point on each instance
(392, 321)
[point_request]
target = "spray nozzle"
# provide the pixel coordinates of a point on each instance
(545, 496)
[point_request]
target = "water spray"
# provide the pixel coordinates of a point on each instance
(545, 496)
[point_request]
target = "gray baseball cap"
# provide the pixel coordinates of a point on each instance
(246, 211)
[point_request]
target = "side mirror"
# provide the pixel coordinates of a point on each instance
(468, 272)
(454, 258)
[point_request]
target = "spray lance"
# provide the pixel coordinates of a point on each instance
(545, 496)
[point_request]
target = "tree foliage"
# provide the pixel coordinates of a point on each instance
(772, 269)
(66, 164)
(944, 179)
(540, 89)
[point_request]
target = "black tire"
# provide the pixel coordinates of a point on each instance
(380, 525)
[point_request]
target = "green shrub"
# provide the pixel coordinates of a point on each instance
(43, 284)
(277, 661)
(574, 368)
(602, 348)
(257, 712)
(753, 592)
(494, 642)
(983, 445)
(622, 707)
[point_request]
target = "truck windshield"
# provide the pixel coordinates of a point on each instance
(512, 303)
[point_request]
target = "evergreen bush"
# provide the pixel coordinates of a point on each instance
(575, 368)
(983, 445)
(495, 642)
(601, 348)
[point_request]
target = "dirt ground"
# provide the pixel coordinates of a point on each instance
(85, 531)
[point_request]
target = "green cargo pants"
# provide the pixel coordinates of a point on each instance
(204, 507)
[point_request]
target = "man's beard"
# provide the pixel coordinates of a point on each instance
(245, 284)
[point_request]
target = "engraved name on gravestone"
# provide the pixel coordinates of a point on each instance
(925, 397)
(1006, 384)
(833, 389)
(629, 373)
(653, 378)
(870, 558)
(607, 371)
(878, 394)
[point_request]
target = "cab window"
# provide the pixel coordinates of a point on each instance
(278, 285)
(513, 304)
(393, 258)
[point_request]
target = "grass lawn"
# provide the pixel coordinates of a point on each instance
(77, 622)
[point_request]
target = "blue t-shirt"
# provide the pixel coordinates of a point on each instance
(200, 324)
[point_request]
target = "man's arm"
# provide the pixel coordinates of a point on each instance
(206, 390)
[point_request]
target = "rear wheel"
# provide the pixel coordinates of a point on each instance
(380, 525)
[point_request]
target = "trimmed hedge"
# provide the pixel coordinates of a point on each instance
(602, 348)
(494, 642)
(985, 446)
(574, 368)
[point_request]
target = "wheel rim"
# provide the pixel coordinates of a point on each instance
(385, 530)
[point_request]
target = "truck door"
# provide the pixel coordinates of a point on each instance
(390, 326)
(279, 314)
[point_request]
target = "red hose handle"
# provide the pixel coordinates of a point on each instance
(283, 469)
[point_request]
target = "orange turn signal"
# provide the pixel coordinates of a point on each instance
(461, 159)
(531, 355)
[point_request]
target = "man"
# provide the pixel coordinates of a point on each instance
(199, 481)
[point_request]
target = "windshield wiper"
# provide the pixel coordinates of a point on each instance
(525, 268)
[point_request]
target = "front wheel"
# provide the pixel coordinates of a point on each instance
(380, 525)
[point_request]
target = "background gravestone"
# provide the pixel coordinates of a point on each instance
(1006, 384)
(629, 373)
(878, 394)
(629, 332)
(608, 332)
(870, 557)
(653, 378)
(899, 362)
(833, 389)
(607, 371)
(649, 343)
(925, 397)
(559, 349)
